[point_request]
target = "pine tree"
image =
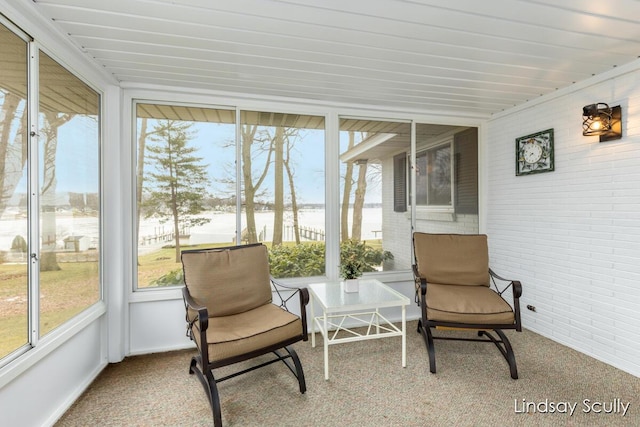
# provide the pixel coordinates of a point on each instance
(177, 181)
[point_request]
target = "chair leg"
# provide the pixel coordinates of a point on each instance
(428, 340)
(504, 345)
(510, 355)
(209, 383)
(214, 400)
(431, 350)
(299, 371)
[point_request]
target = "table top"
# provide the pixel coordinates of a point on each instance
(372, 293)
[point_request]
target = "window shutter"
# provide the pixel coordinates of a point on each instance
(466, 170)
(400, 183)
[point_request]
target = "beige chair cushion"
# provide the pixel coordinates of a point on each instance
(467, 304)
(461, 259)
(242, 333)
(228, 281)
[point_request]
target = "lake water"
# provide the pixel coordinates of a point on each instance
(221, 228)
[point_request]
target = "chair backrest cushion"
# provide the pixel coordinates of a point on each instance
(452, 259)
(228, 280)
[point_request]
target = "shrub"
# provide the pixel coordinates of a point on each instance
(365, 257)
(19, 244)
(303, 260)
(307, 259)
(172, 278)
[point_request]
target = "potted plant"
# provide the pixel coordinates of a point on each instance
(351, 270)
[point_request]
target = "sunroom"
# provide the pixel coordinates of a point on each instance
(307, 125)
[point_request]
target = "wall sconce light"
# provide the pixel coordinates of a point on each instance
(600, 119)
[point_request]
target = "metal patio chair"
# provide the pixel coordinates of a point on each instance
(231, 316)
(454, 290)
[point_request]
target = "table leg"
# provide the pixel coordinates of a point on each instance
(326, 345)
(313, 322)
(404, 337)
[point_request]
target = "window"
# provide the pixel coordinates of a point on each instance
(185, 186)
(433, 177)
(372, 181)
(14, 268)
(191, 193)
(446, 175)
(283, 189)
(49, 209)
(69, 165)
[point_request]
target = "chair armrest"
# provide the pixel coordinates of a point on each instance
(303, 292)
(420, 284)
(517, 288)
(190, 304)
(304, 301)
(419, 280)
(514, 284)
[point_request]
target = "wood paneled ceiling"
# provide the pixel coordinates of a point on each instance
(461, 57)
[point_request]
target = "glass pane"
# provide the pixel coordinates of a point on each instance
(439, 161)
(283, 190)
(13, 197)
(69, 143)
(370, 228)
(186, 186)
(433, 176)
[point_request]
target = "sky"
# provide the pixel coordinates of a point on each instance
(78, 155)
(216, 145)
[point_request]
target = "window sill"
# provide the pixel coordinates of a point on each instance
(51, 342)
(445, 216)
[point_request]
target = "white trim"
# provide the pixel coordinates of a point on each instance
(483, 173)
(155, 294)
(254, 102)
(33, 188)
(51, 342)
(26, 14)
(332, 194)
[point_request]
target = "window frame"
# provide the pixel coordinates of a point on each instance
(423, 150)
(134, 98)
(40, 343)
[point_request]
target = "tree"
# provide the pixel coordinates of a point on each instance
(346, 194)
(358, 203)
(13, 153)
(142, 140)
(53, 120)
(289, 143)
(178, 181)
(251, 186)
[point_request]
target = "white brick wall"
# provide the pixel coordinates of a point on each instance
(572, 236)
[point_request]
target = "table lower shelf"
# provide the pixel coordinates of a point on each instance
(376, 326)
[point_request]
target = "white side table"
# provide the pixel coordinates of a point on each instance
(362, 308)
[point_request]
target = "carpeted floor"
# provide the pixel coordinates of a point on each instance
(369, 387)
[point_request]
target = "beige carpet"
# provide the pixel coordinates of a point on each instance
(368, 387)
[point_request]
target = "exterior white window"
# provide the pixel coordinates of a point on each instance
(434, 179)
(50, 217)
